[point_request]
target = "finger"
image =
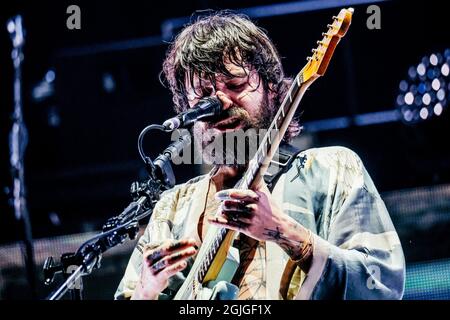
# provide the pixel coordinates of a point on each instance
(251, 208)
(168, 247)
(181, 255)
(169, 260)
(233, 205)
(238, 194)
(180, 245)
(234, 216)
(232, 225)
(173, 269)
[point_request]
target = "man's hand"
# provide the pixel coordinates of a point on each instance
(161, 263)
(256, 214)
(250, 212)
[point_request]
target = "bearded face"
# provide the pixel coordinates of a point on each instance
(248, 109)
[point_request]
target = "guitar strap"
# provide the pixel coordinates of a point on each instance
(281, 163)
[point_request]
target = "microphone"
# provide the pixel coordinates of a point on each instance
(205, 108)
(162, 163)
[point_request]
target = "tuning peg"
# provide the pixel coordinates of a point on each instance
(324, 34)
(308, 58)
(334, 17)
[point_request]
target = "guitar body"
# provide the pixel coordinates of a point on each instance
(217, 261)
(221, 287)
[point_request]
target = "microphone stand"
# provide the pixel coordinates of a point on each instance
(88, 257)
(117, 229)
(18, 140)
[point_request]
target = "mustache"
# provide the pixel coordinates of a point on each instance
(233, 111)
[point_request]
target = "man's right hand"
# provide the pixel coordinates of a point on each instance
(160, 264)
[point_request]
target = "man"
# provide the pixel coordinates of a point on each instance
(323, 233)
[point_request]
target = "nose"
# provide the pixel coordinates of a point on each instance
(226, 101)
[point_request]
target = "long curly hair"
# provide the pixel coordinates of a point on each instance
(204, 45)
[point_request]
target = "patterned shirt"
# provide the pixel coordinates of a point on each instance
(356, 251)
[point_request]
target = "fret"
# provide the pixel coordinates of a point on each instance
(202, 272)
(295, 86)
(216, 243)
(280, 121)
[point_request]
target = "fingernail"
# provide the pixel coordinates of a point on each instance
(222, 194)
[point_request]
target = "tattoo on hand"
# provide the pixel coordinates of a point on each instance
(155, 256)
(157, 267)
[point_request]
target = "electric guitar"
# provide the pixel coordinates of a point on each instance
(217, 260)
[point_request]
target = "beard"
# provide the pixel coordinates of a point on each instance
(237, 147)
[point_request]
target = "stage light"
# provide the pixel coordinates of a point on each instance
(434, 59)
(403, 86)
(409, 98)
(421, 69)
(424, 94)
(412, 73)
(441, 94)
(50, 76)
(426, 99)
(436, 84)
(437, 109)
(45, 88)
(424, 113)
(109, 84)
(445, 69)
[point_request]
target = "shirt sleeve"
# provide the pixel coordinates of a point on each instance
(356, 252)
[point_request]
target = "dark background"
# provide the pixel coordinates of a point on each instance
(82, 155)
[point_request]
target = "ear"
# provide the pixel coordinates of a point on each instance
(271, 91)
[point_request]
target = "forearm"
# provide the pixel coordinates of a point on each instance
(295, 240)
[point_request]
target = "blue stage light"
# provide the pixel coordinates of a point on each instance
(424, 94)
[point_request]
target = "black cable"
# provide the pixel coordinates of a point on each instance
(145, 158)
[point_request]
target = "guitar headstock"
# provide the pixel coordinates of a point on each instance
(318, 62)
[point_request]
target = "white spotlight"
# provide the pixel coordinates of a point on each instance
(437, 109)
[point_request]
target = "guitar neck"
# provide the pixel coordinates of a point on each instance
(276, 131)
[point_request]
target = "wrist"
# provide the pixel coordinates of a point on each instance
(296, 241)
(304, 257)
(141, 294)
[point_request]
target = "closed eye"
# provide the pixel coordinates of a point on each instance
(236, 86)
